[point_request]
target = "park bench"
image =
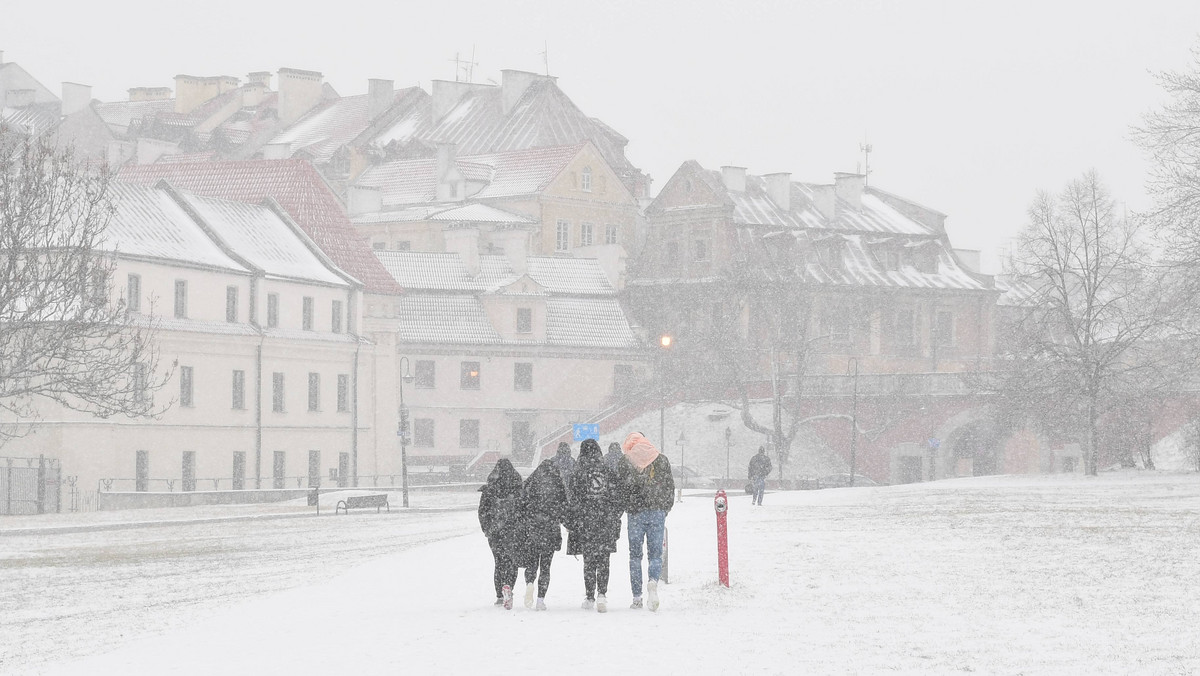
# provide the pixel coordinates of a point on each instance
(378, 501)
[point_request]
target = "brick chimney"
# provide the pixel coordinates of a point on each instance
(515, 243)
(361, 199)
(447, 94)
(299, 92)
(149, 93)
(192, 91)
(380, 94)
(779, 189)
(734, 178)
(849, 187)
(450, 183)
(513, 84)
(260, 77)
(464, 241)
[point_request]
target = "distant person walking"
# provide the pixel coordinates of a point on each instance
(644, 477)
(500, 512)
(760, 469)
(564, 462)
(613, 457)
(594, 522)
(545, 500)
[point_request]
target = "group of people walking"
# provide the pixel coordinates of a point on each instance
(588, 495)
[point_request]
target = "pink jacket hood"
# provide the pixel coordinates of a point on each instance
(639, 450)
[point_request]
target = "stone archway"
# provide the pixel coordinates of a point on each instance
(974, 450)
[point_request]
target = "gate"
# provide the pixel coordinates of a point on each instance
(30, 485)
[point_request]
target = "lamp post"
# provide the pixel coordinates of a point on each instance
(728, 434)
(681, 442)
(664, 342)
(405, 377)
(853, 364)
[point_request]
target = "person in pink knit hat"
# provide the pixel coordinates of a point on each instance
(644, 476)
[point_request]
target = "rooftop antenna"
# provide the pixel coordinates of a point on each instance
(546, 57)
(463, 67)
(866, 149)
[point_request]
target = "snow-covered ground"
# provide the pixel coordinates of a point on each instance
(1058, 574)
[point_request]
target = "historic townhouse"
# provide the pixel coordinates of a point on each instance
(260, 334)
(882, 282)
(504, 350)
(566, 198)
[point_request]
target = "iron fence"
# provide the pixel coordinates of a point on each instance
(31, 486)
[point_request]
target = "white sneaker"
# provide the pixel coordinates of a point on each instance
(507, 590)
(601, 604)
(652, 595)
(588, 604)
(637, 603)
(529, 594)
(541, 604)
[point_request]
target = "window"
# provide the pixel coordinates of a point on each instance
(562, 240)
(99, 287)
(905, 328)
(277, 392)
(700, 250)
(231, 303)
(272, 310)
(889, 258)
(585, 179)
(378, 246)
(307, 321)
(945, 328)
(141, 482)
(925, 260)
(523, 377)
(239, 470)
(343, 393)
(586, 234)
(314, 391)
(314, 469)
(401, 245)
(672, 250)
(279, 469)
(181, 299)
(522, 438)
(838, 325)
(189, 471)
(424, 374)
(239, 389)
(524, 320)
(610, 234)
(139, 382)
(185, 386)
(133, 293)
(423, 432)
(468, 433)
(469, 379)
(337, 317)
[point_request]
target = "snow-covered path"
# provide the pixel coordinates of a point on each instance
(1000, 575)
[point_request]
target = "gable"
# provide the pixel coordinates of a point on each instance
(687, 187)
(606, 186)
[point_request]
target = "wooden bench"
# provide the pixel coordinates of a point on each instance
(355, 501)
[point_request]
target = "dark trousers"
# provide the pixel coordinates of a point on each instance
(595, 575)
(542, 563)
(506, 569)
(760, 486)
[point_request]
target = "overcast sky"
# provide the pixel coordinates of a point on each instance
(970, 108)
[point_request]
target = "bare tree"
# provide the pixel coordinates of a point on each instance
(1091, 333)
(62, 337)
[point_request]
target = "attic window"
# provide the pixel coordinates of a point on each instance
(889, 258)
(585, 179)
(925, 261)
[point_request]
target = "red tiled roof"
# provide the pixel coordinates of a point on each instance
(297, 187)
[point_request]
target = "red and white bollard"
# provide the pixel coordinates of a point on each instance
(721, 504)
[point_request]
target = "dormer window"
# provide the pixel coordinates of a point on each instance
(524, 320)
(585, 179)
(889, 258)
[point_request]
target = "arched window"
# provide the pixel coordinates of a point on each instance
(585, 179)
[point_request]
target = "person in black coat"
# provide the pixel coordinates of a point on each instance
(614, 455)
(595, 521)
(500, 518)
(545, 500)
(759, 470)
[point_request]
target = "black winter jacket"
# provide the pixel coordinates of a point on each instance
(501, 512)
(545, 500)
(760, 466)
(594, 519)
(650, 488)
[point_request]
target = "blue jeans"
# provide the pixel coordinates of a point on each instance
(760, 486)
(648, 525)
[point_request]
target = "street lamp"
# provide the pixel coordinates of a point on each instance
(728, 433)
(853, 363)
(664, 342)
(681, 443)
(405, 377)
